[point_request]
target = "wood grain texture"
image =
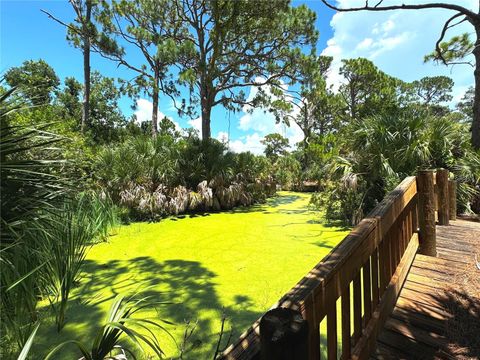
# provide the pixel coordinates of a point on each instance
(443, 197)
(452, 199)
(383, 247)
(426, 212)
(418, 324)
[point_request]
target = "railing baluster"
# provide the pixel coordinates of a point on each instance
(314, 330)
(346, 330)
(415, 216)
(375, 296)
(332, 330)
(401, 236)
(357, 307)
(394, 240)
(391, 252)
(452, 199)
(382, 263)
(409, 226)
(367, 292)
(443, 205)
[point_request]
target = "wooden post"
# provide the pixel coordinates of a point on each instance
(283, 335)
(443, 206)
(426, 213)
(452, 199)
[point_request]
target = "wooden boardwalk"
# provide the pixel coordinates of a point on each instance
(432, 296)
(396, 302)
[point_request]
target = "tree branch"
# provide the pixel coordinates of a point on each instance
(68, 26)
(446, 26)
(470, 14)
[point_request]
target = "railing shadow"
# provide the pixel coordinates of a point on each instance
(463, 328)
(456, 336)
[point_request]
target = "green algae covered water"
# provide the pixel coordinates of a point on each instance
(234, 264)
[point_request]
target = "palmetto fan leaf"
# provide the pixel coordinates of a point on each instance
(27, 182)
(28, 162)
(121, 324)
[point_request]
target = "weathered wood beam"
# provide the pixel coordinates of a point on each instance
(426, 212)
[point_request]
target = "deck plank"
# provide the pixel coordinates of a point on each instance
(416, 329)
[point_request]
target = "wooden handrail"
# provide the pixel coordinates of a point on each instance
(373, 260)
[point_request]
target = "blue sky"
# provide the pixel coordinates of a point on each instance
(395, 41)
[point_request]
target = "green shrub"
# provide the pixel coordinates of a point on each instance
(288, 172)
(382, 150)
(155, 177)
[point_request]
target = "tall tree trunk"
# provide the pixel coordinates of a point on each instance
(306, 136)
(86, 65)
(206, 132)
(476, 99)
(206, 113)
(155, 105)
(353, 106)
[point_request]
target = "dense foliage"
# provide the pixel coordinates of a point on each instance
(72, 162)
(166, 175)
(46, 228)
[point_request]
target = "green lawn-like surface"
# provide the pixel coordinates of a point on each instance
(239, 262)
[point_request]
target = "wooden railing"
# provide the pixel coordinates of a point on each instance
(353, 290)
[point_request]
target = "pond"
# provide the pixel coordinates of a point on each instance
(237, 263)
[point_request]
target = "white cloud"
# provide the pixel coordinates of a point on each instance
(388, 25)
(196, 124)
(144, 113)
(396, 41)
(389, 43)
(144, 110)
(248, 143)
(222, 136)
(262, 123)
(365, 44)
(258, 120)
(458, 93)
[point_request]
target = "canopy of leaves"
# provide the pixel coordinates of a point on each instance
(35, 79)
(434, 90)
(237, 44)
(465, 106)
(275, 145)
(452, 51)
(105, 116)
(147, 27)
(367, 90)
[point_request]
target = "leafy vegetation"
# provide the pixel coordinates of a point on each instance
(120, 322)
(200, 270)
(74, 165)
(45, 227)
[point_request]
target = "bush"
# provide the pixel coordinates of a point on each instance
(382, 150)
(44, 227)
(340, 203)
(155, 177)
(288, 172)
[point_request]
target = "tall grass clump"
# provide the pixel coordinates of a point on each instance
(45, 227)
(63, 241)
(121, 323)
(29, 167)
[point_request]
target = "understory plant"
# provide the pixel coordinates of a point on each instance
(288, 172)
(156, 177)
(122, 323)
(382, 150)
(45, 227)
(63, 240)
(31, 183)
